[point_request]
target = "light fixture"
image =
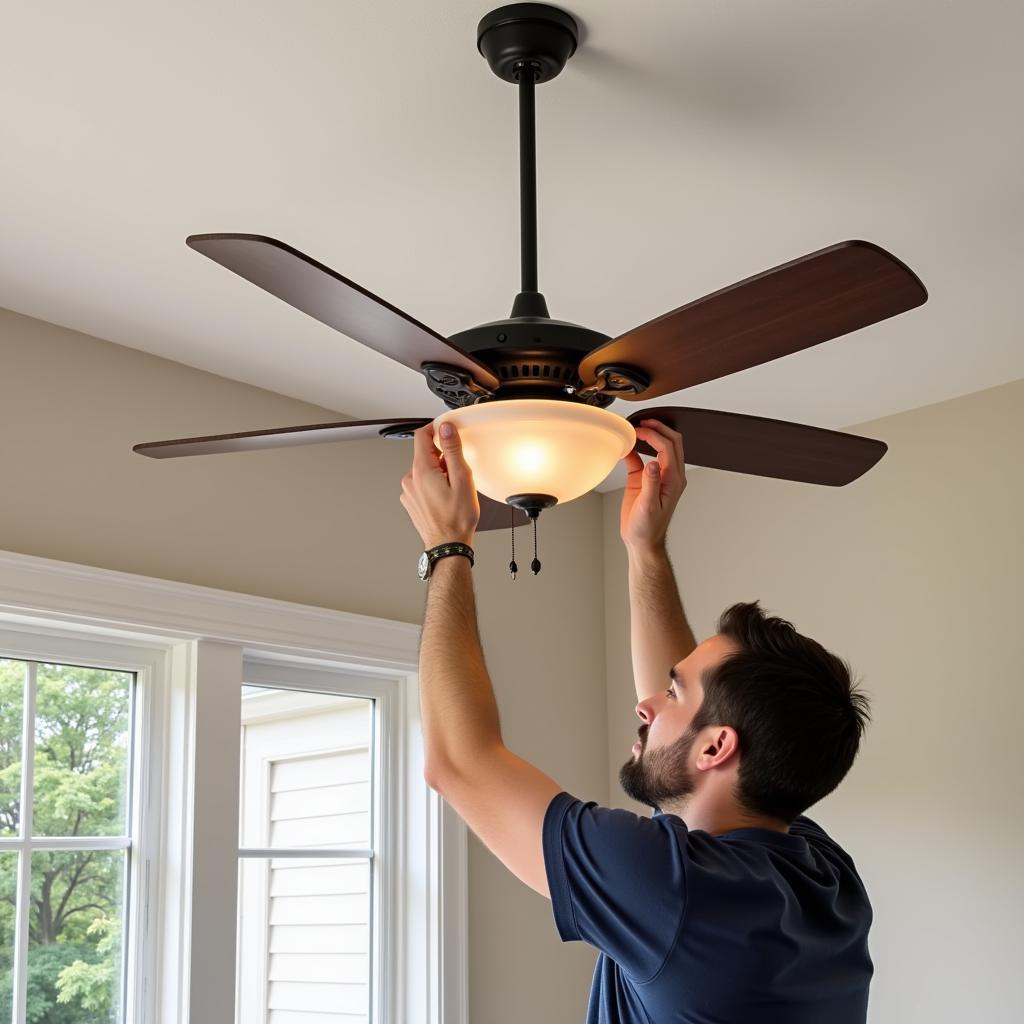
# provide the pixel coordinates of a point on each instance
(533, 453)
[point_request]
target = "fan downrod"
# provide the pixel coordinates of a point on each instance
(536, 35)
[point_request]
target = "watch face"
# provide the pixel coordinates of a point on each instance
(423, 567)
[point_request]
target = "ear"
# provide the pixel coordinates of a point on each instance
(719, 744)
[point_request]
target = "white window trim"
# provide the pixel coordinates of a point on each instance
(52, 644)
(203, 635)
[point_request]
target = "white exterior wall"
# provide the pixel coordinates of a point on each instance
(304, 929)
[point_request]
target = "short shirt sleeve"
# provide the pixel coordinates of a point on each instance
(617, 881)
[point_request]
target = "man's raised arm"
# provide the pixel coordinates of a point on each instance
(659, 634)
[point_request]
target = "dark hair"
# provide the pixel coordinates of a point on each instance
(795, 708)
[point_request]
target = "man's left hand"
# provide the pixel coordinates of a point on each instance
(438, 492)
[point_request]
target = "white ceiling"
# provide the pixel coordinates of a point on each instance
(687, 145)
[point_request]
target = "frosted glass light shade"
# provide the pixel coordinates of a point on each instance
(539, 446)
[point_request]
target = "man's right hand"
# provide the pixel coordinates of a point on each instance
(652, 493)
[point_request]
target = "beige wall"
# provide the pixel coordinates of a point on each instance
(913, 573)
(321, 526)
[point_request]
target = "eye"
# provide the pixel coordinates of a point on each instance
(671, 693)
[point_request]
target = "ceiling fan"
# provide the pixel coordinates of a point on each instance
(529, 393)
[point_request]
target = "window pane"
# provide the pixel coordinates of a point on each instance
(12, 704)
(81, 760)
(305, 774)
(8, 892)
(75, 925)
(303, 941)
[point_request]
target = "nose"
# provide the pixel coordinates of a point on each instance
(645, 710)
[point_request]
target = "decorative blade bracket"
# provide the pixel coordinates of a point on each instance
(616, 381)
(455, 387)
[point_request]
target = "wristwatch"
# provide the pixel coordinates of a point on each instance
(432, 555)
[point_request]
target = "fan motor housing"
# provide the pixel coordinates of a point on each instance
(533, 357)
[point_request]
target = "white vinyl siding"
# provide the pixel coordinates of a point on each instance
(304, 923)
(307, 810)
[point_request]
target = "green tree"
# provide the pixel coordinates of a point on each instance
(90, 982)
(79, 789)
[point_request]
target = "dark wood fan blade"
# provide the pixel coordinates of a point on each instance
(496, 515)
(280, 437)
(786, 309)
(763, 447)
(307, 285)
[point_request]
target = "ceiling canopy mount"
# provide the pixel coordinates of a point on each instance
(519, 36)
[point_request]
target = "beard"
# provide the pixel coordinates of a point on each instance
(657, 777)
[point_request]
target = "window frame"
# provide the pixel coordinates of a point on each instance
(202, 637)
(43, 643)
(386, 692)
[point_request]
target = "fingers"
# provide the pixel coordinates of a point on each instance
(650, 486)
(425, 457)
(667, 443)
(634, 464)
(459, 473)
(660, 436)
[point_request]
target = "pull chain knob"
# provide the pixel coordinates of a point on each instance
(535, 564)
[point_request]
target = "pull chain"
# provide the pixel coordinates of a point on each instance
(512, 567)
(535, 564)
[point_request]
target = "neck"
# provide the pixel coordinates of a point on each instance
(717, 816)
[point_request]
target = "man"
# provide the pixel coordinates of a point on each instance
(726, 905)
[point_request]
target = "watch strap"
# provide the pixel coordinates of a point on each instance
(451, 548)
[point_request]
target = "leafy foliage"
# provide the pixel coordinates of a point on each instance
(80, 777)
(90, 982)
(44, 969)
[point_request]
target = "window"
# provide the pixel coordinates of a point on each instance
(69, 830)
(374, 852)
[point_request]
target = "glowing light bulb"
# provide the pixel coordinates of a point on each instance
(530, 458)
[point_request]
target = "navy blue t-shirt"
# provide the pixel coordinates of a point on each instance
(747, 927)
